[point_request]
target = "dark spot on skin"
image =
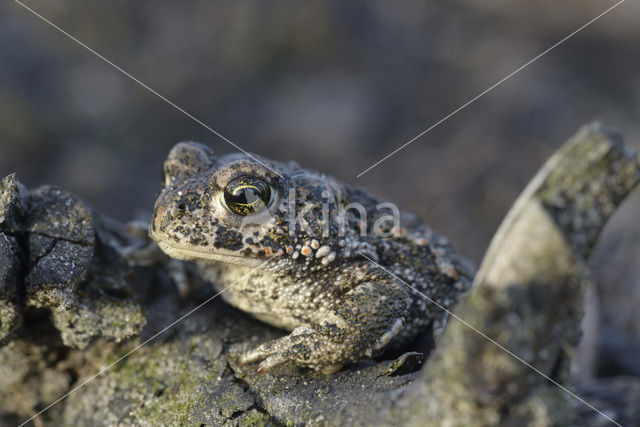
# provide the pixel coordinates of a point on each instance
(261, 252)
(189, 202)
(247, 251)
(249, 240)
(228, 239)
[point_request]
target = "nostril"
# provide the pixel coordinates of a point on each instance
(182, 207)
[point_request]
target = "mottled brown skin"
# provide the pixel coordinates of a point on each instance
(313, 279)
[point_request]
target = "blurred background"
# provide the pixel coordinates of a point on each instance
(336, 86)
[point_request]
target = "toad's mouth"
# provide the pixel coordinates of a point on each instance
(221, 255)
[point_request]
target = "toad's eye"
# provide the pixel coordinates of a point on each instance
(246, 195)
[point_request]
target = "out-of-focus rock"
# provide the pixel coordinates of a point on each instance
(521, 321)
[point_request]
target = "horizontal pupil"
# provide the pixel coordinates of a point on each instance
(244, 195)
(247, 196)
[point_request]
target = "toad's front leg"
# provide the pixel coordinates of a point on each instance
(364, 321)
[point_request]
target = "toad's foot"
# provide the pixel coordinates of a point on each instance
(366, 319)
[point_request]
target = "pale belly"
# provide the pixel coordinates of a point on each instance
(285, 304)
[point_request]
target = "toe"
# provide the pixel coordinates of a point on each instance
(270, 362)
(261, 352)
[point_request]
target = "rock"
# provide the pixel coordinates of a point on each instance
(61, 288)
(190, 378)
(10, 315)
(58, 214)
(90, 317)
(86, 296)
(61, 242)
(10, 263)
(54, 279)
(11, 203)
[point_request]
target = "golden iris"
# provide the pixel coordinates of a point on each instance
(246, 195)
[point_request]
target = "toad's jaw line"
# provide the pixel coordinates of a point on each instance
(200, 255)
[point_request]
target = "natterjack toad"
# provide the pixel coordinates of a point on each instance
(290, 246)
